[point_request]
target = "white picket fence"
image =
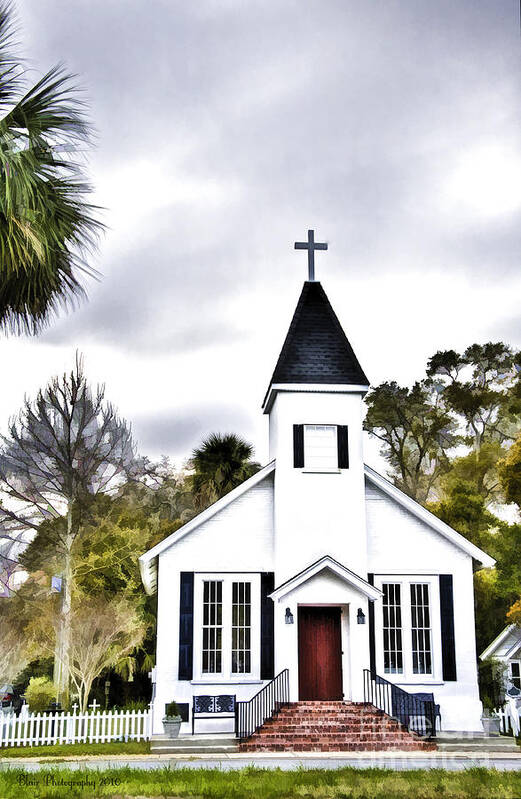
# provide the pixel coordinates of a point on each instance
(35, 729)
(505, 720)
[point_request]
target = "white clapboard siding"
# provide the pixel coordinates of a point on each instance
(36, 729)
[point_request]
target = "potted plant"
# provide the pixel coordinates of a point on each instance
(491, 722)
(172, 720)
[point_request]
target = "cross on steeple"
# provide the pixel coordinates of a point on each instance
(310, 245)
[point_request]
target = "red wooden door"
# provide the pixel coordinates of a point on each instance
(319, 653)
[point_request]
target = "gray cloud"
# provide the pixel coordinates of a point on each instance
(226, 129)
(182, 429)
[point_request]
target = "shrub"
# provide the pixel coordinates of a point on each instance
(172, 710)
(39, 694)
(133, 704)
(492, 679)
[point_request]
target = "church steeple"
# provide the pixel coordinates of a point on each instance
(316, 349)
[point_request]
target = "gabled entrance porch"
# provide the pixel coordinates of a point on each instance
(320, 634)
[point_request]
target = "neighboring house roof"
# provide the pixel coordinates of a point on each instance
(316, 349)
(514, 648)
(329, 563)
(429, 518)
(148, 561)
(501, 640)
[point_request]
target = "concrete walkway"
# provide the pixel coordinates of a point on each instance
(284, 760)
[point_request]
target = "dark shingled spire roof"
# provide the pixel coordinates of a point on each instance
(316, 349)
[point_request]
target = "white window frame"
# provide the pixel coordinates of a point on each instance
(215, 626)
(394, 583)
(226, 675)
(333, 467)
(408, 677)
(423, 629)
(517, 661)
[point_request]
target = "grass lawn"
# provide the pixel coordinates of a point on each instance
(64, 750)
(261, 784)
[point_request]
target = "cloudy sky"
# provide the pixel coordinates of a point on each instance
(226, 129)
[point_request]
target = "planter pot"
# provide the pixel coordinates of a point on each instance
(172, 726)
(491, 725)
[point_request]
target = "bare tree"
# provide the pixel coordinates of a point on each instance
(61, 450)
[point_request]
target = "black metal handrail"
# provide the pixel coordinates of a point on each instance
(252, 713)
(416, 714)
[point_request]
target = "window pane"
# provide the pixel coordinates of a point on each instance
(421, 629)
(212, 630)
(241, 614)
(392, 628)
(320, 446)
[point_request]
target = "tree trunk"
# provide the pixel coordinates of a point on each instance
(62, 652)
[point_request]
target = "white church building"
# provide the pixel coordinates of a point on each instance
(317, 564)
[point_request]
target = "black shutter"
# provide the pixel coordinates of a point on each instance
(372, 649)
(343, 446)
(186, 626)
(267, 671)
(448, 647)
(298, 446)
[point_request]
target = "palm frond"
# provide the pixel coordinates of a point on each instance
(48, 229)
(10, 66)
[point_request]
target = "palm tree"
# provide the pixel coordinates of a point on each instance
(47, 227)
(220, 463)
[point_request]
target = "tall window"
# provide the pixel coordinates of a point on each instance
(421, 629)
(212, 626)
(320, 446)
(392, 628)
(241, 628)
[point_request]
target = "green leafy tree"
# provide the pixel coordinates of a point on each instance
(509, 469)
(464, 509)
(416, 434)
(498, 590)
(102, 633)
(47, 226)
(220, 463)
(477, 386)
(61, 451)
(479, 468)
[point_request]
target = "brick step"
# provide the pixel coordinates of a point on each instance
(338, 729)
(313, 717)
(338, 719)
(339, 747)
(337, 733)
(337, 740)
(338, 723)
(327, 707)
(329, 712)
(325, 703)
(350, 726)
(340, 734)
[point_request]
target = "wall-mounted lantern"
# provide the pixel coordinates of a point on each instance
(360, 616)
(289, 616)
